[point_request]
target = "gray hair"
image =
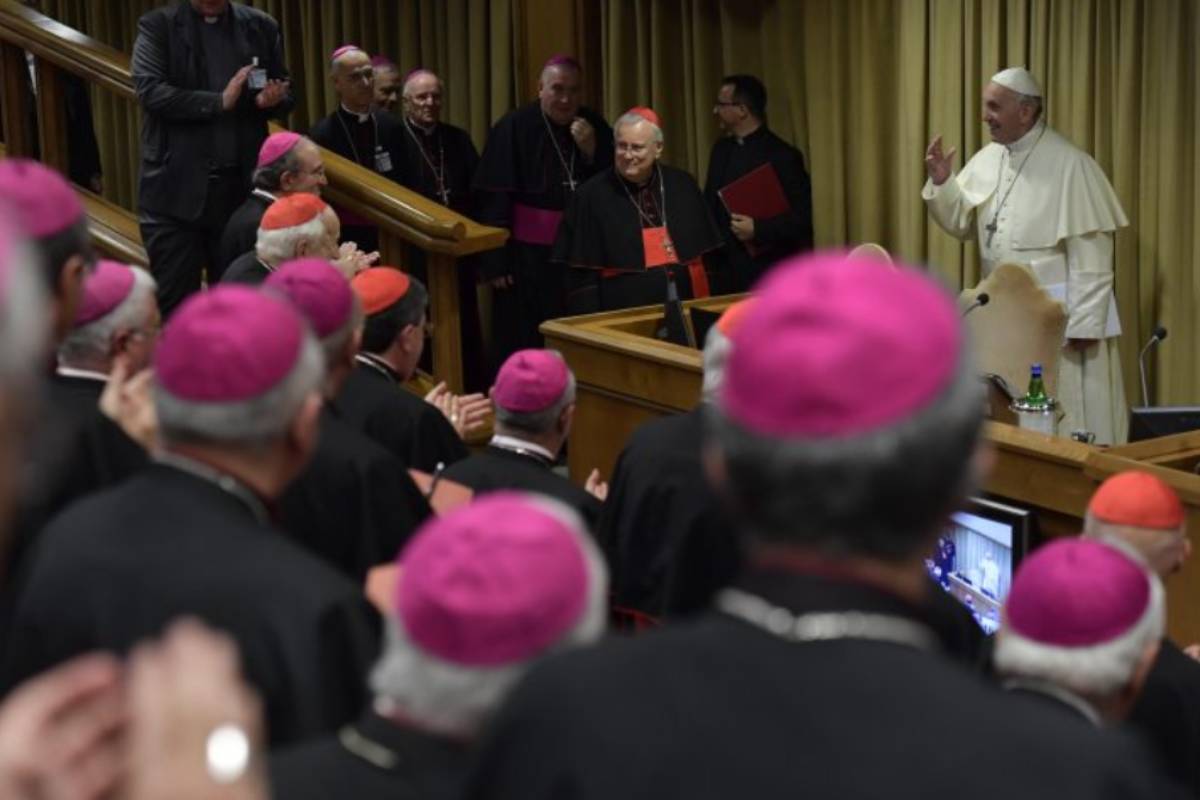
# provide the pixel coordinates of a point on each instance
(276, 246)
(258, 421)
(538, 421)
(1031, 100)
(629, 118)
(1098, 670)
(90, 344)
(717, 347)
(24, 323)
(455, 699)
(879, 494)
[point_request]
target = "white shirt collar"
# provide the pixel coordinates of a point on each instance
(360, 117)
(1028, 140)
(89, 374)
(264, 194)
(514, 443)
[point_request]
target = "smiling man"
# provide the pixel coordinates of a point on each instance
(634, 230)
(1040, 201)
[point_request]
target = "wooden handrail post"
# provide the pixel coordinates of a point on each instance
(16, 101)
(442, 271)
(52, 115)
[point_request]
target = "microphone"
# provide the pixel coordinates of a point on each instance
(1159, 334)
(981, 300)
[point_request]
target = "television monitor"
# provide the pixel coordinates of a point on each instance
(977, 553)
(1146, 422)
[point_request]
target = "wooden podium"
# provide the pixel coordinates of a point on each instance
(625, 377)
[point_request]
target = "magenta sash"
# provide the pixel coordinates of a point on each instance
(534, 225)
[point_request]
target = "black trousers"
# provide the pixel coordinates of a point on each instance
(181, 251)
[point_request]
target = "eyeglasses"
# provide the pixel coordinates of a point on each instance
(724, 104)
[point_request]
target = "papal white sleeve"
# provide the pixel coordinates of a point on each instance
(1089, 284)
(950, 208)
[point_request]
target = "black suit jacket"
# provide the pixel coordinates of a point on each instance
(118, 566)
(718, 708)
(179, 111)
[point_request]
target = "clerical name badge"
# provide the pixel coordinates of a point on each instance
(658, 247)
(383, 161)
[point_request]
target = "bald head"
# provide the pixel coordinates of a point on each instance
(353, 79)
(423, 98)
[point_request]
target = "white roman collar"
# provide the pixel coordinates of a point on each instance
(515, 445)
(360, 117)
(88, 374)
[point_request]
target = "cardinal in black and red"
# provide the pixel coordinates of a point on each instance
(632, 230)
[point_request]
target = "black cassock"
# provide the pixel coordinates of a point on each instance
(601, 241)
(355, 504)
(719, 708)
(374, 401)
(1168, 713)
(529, 168)
(76, 450)
(666, 537)
(246, 269)
(119, 566)
(496, 468)
(373, 759)
(440, 163)
(241, 232)
(775, 237)
(372, 141)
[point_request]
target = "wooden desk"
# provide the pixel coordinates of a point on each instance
(625, 377)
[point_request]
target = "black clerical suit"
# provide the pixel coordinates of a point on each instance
(374, 401)
(197, 158)
(666, 537)
(719, 708)
(1167, 713)
(529, 168)
(601, 241)
(775, 237)
(374, 141)
(373, 759)
(117, 567)
(439, 163)
(355, 504)
(498, 468)
(247, 269)
(76, 450)
(241, 232)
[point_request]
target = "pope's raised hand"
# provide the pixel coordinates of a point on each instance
(939, 164)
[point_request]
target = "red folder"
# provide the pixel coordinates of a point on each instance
(757, 194)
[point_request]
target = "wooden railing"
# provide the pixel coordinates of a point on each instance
(405, 218)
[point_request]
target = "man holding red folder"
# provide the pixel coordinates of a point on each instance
(758, 190)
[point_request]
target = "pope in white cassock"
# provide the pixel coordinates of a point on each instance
(1040, 201)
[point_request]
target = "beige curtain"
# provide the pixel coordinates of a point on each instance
(470, 43)
(861, 86)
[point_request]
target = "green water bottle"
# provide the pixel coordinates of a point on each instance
(1036, 397)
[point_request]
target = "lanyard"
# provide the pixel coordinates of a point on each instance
(438, 174)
